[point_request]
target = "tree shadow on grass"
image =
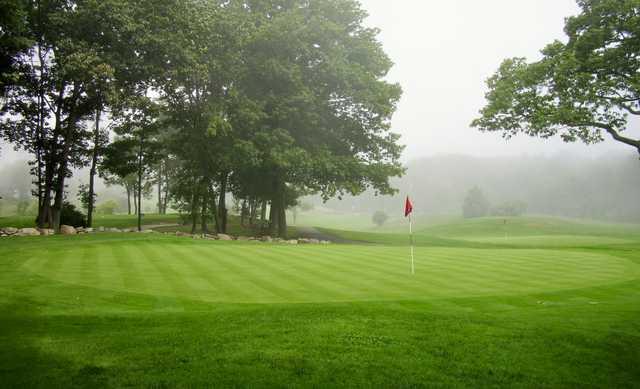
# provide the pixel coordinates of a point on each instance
(25, 361)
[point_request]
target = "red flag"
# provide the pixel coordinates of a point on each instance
(408, 207)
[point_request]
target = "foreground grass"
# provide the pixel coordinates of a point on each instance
(132, 310)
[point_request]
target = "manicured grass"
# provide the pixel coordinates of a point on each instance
(107, 221)
(159, 311)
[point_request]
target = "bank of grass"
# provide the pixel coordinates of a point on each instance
(121, 310)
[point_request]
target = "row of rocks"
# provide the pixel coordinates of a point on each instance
(69, 230)
(64, 230)
(265, 239)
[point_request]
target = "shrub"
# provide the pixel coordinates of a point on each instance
(107, 208)
(379, 218)
(71, 216)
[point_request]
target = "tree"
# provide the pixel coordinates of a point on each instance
(582, 89)
(107, 208)
(475, 204)
(379, 218)
(49, 94)
(87, 198)
(321, 108)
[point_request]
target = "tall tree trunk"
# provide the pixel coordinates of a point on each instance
(166, 191)
(222, 207)
(59, 198)
(160, 188)
(140, 166)
(214, 209)
(282, 220)
(203, 212)
(194, 207)
(263, 213)
(127, 187)
(94, 165)
(135, 199)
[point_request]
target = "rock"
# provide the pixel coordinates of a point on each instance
(101, 229)
(292, 241)
(303, 241)
(47, 231)
(27, 232)
(267, 239)
(180, 233)
(244, 238)
(80, 230)
(114, 230)
(314, 241)
(89, 230)
(146, 231)
(224, 237)
(67, 230)
(10, 230)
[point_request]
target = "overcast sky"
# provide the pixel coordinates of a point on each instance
(444, 50)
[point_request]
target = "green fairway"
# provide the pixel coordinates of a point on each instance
(544, 309)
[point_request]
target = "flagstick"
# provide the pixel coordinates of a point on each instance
(413, 269)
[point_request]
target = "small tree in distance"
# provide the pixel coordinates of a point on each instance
(475, 204)
(379, 218)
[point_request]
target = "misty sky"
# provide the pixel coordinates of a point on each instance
(444, 50)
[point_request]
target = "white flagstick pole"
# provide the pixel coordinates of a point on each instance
(413, 268)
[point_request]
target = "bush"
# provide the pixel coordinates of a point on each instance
(71, 216)
(107, 208)
(379, 218)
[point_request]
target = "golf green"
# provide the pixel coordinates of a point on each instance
(553, 305)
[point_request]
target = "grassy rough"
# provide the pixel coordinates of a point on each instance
(132, 310)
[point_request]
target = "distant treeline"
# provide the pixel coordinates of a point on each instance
(568, 186)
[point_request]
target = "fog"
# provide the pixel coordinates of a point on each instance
(443, 52)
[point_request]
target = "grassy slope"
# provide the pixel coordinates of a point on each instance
(124, 310)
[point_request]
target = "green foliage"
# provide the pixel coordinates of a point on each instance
(72, 217)
(379, 218)
(85, 197)
(109, 207)
(475, 204)
(578, 90)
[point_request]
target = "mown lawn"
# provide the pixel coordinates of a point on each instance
(151, 310)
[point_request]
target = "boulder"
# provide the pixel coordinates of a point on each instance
(267, 239)
(303, 241)
(114, 230)
(89, 230)
(80, 230)
(67, 230)
(28, 232)
(224, 237)
(10, 230)
(101, 229)
(292, 241)
(47, 231)
(244, 238)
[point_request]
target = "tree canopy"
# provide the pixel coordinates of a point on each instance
(584, 89)
(264, 99)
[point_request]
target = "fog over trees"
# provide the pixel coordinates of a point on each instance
(602, 188)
